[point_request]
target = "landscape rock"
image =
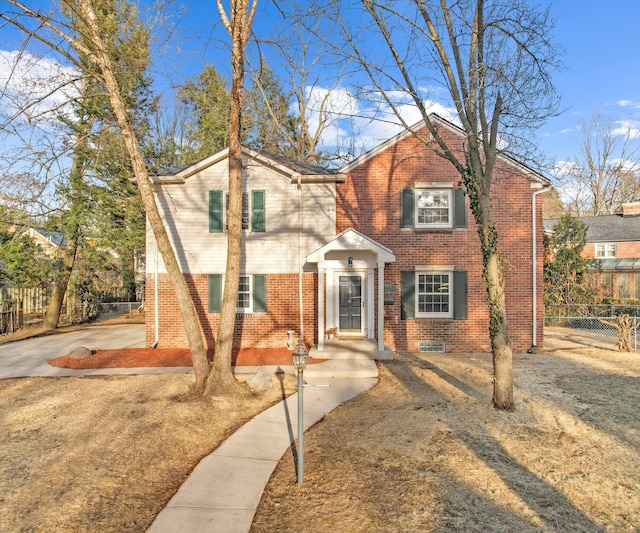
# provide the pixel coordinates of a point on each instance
(81, 352)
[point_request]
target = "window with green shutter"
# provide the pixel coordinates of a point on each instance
(258, 219)
(433, 208)
(216, 211)
(429, 294)
(215, 293)
(252, 293)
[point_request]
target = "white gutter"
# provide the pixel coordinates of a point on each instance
(155, 304)
(300, 263)
(534, 263)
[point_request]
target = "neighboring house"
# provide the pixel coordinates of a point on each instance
(614, 240)
(49, 242)
(387, 245)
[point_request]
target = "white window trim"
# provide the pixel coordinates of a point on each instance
(433, 271)
(246, 310)
(443, 188)
(604, 247)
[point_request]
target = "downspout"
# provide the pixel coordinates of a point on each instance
(534, 277)
(300, 264)
(155, 305)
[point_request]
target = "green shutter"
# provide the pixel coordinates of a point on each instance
(258, 221)
(259, 293)
(406, 208)
(215, 211)
(459, 209)
(215, 293)
(460, 295)
(408, 295)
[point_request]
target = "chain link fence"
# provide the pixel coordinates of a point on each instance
(584, 320)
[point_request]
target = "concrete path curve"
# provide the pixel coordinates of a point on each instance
(222, 493)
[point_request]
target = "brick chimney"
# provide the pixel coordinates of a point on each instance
(631, 209)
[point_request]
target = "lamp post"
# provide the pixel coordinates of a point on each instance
(300, 358)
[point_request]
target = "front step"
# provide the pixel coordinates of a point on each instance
(351, 349)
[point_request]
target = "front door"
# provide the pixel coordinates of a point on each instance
(350, 304)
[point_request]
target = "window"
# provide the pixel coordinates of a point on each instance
(433, 294)
(253, 211)
(434, 207)
(636, 283)
(245, 210)
(243, 305)
(252, 293)
(624, 286)
(606, 285)
(605, 249)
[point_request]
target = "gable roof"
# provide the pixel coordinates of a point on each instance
(295, 170)
(605, 228)
(437, 119)
(352, 240)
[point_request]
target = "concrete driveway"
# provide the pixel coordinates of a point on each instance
(28, 358)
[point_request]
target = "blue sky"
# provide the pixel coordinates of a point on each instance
(602, 66)
(599, 39)
(600, 54)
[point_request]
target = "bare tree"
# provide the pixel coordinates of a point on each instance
(492, 59)
(238, 23)
(605, 173)
(56, 34)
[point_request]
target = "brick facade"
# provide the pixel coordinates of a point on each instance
(256, 330)
(369, 201)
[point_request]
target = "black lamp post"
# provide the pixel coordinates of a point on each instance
(300, 358)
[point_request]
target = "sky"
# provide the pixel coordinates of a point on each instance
(598, 43)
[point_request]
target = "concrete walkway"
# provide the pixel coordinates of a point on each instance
(222, 493)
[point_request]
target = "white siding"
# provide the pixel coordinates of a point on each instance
(185, 208)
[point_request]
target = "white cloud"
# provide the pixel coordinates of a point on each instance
(369, 123)
(626, 128)
(34, 87)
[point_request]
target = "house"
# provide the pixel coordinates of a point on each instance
(614, 240)
(384, 249)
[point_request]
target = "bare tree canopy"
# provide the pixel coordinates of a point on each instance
(605, 172)
(492, 62)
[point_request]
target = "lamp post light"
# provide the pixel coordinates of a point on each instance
(300, 357)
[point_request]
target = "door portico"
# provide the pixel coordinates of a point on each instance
(346, 286)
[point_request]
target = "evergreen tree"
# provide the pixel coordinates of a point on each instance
(565, 269)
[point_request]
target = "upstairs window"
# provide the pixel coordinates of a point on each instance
(253, 211)
(433, 207)
(605, 249)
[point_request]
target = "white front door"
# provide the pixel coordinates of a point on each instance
(351, 309)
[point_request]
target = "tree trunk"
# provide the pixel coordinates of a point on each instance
(494, 276)
(183, 296)
(500, 343)
(52, 316)
(221, 381)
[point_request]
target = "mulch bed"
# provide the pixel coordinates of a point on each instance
(170, 357)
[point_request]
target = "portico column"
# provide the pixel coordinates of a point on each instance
(320, 305)
(381, 306)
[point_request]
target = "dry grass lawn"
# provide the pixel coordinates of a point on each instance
(421, 451)
(424, 451)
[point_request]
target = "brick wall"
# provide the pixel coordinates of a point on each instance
(369, 201)
(251, 330)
